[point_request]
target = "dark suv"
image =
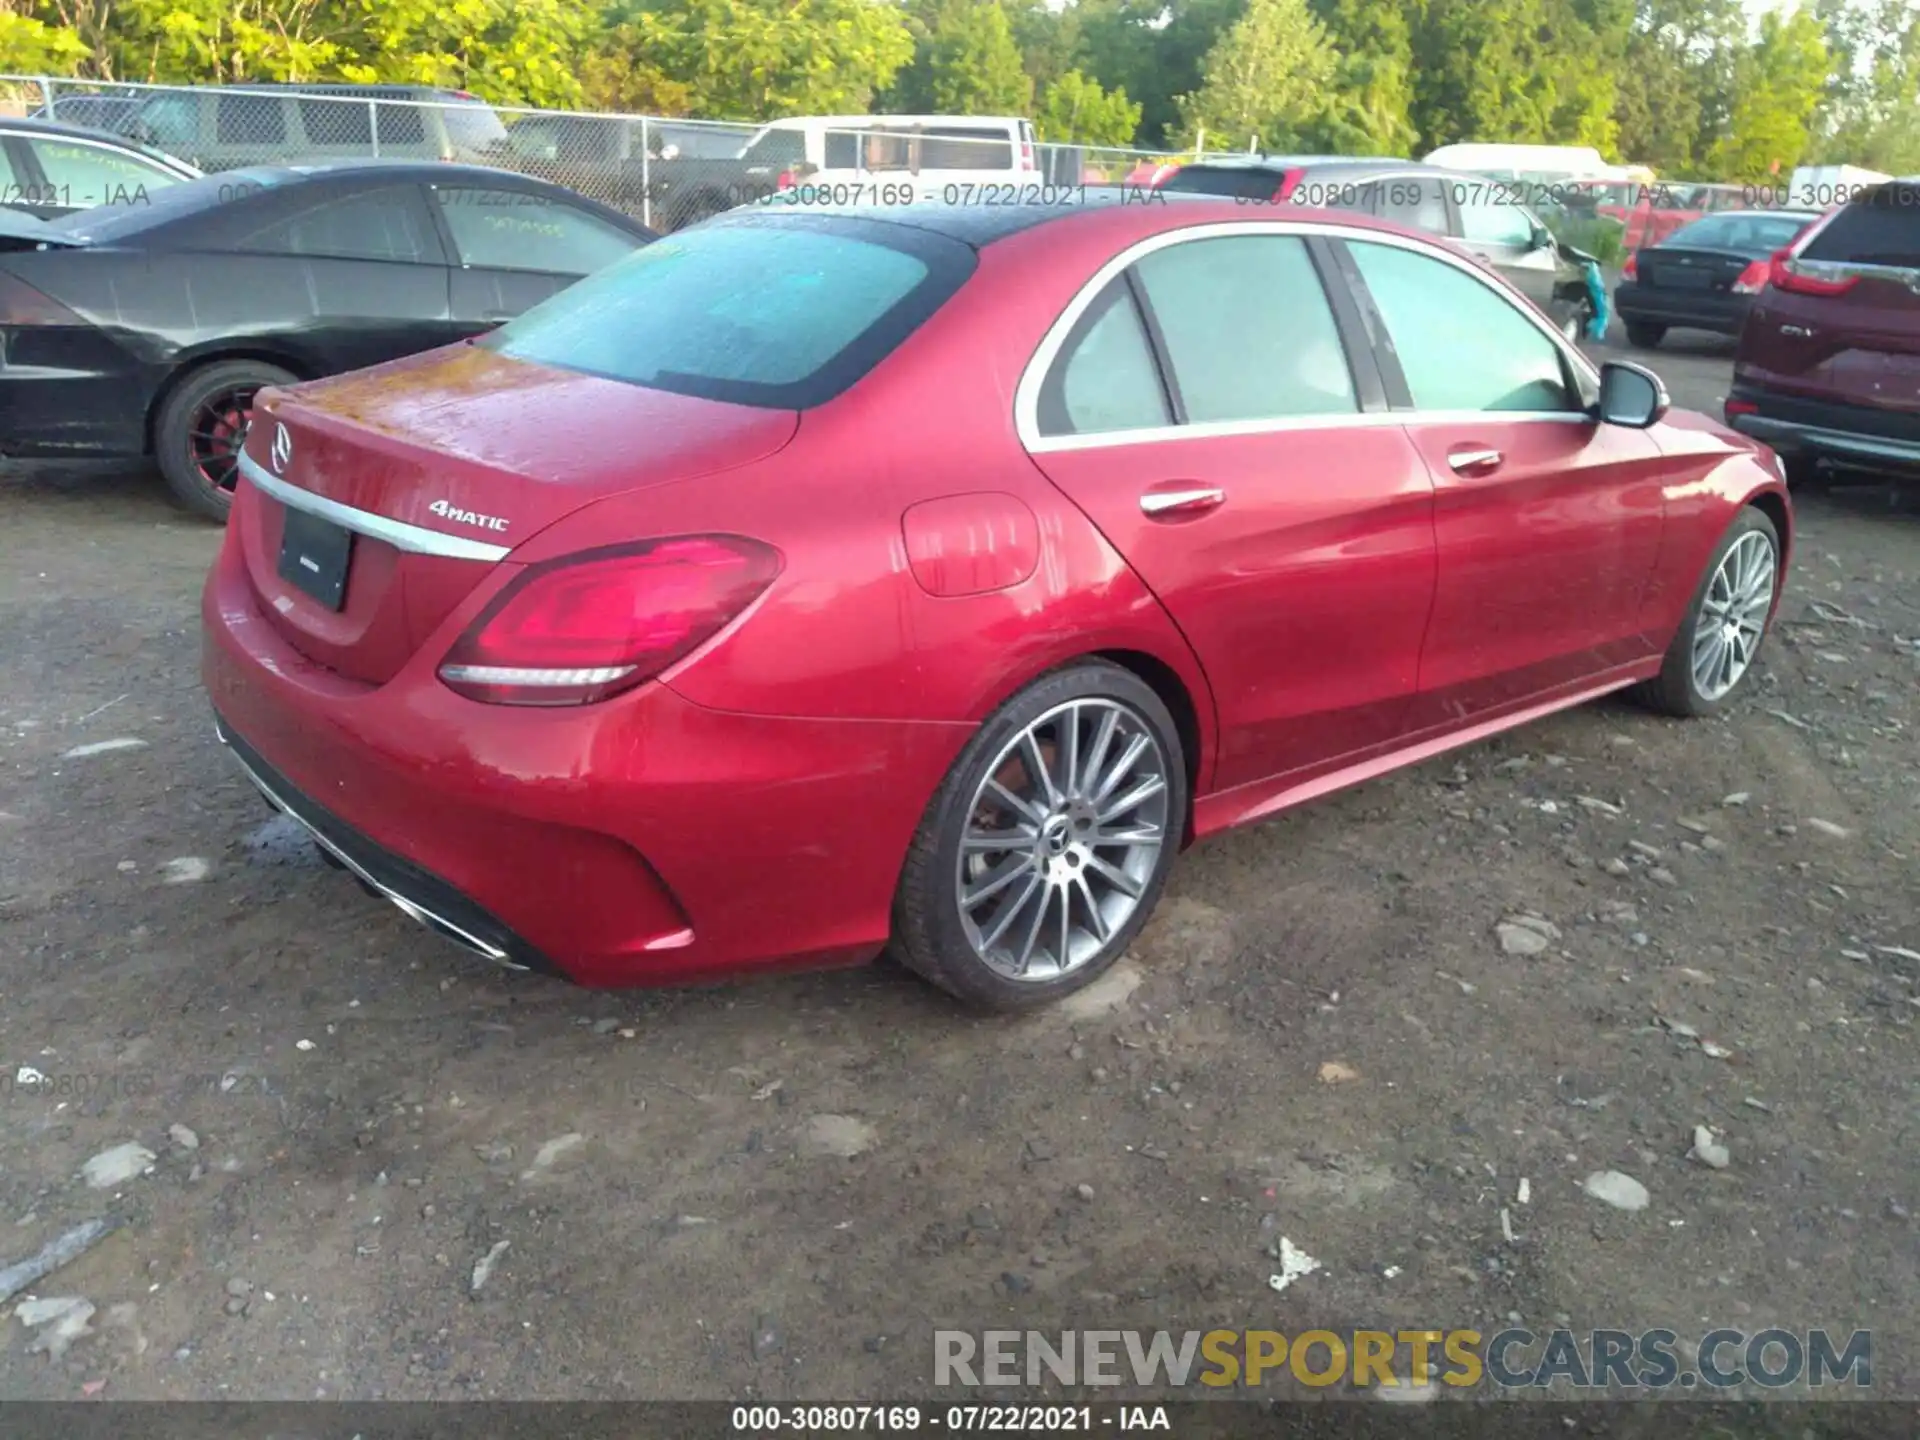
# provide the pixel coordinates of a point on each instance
(1828, 367)
(1480, 215)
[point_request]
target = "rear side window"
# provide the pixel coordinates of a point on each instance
(1485, 221)
(170, 121)
(762, 311)
(1415, 203)
(1238, 183)
(1248, 329)
(398, 123)
(328, 121)
(97, 174)
(387, 224)
(958, 149)
(1880, 228)
(249, 120)
(1106, 378)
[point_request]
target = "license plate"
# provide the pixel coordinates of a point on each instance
(1686, 279)
(314, 555)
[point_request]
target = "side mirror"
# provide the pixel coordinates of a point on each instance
(1631, 395)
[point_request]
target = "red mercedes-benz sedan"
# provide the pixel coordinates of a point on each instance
(815, 581)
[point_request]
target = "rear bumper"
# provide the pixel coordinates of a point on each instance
(1855, 435)
(1720, 314)
(645, 840)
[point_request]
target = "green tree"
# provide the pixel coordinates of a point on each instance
(30, 46)
(965, 63)
(1075, 110)
(762, 59)
(1675, 85)
(1779, 81)
(1153, 50)
(1870, 114)
(1265, 81)
(1532, 71)
(1371, 111)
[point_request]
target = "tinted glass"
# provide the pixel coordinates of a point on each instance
(87, 175)
(1239, 182)
(1416, 204)
(958, 149)
(1106, 379)
(885, 150)
(399, 124)
(1248, 329)
(841, 149)
(13, 190)
(249, 120)
(1882, 228)
(1749, 234)
(328, 121)
(170, 121)
(1494, 224)
(1461, 345)
(189, 202)
(785, 315)
(783, 147)
(380, 225)
(514, 230)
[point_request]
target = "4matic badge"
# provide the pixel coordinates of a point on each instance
(467, 517)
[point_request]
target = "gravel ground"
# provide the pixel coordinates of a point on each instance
(780, 1189)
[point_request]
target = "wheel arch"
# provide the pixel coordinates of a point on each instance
(1165, 682)
(189, 365)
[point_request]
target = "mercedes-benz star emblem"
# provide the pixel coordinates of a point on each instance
(282, 452)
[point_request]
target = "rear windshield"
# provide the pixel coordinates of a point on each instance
(1240, 183)
(1755, 234)
(1882, 227)
(776, 311)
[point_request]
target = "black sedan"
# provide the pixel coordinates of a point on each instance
(1704, 275)
(147, 329)
(50, 170)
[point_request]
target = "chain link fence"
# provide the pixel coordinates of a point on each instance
(665, 172)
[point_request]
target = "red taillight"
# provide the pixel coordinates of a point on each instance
(573, 631)
(786, 181)
(1753, 279)
(1782, 275)
(1631, 270)
(22, 305)
(1288, 184)
(1741, 407)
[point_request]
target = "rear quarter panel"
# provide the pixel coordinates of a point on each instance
(847, 631)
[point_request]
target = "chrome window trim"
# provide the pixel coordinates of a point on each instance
(1026, 399)
(414, 539)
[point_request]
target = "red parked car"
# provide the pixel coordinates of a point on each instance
(818, 581)
(1827, 370)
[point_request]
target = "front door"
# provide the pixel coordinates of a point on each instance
(1548, 523)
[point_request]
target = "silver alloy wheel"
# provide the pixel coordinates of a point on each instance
(1733, 615)
(1062, 838)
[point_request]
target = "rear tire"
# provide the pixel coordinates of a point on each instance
(199, 429)
(1015, 926)
(1644, 336)
(1714, 649)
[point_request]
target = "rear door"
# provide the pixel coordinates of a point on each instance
(512, 248)
(1207, 416)
(1842, 323)
(1497, 227)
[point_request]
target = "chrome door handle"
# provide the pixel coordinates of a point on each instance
(1474, 459)
(1181, 502)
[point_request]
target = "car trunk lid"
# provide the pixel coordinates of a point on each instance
(1691, 268)
(439, 466)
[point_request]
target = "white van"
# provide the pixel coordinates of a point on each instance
(1569, 162)
(893, 159)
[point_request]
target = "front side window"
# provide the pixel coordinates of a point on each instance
(1488, 222)
(519, 230)
(781, 312)
(1248, 330)
(1415, 203)
(171, 122)
(1461, 344)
